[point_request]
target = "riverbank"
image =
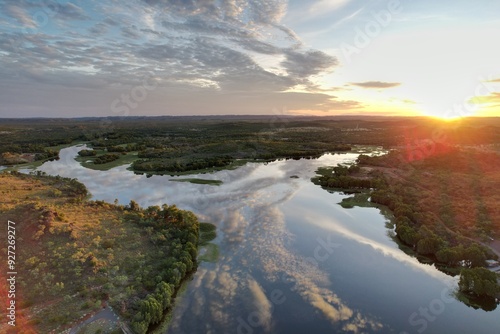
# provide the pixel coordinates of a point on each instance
(74, 254)
(269, 226)
(445, 205)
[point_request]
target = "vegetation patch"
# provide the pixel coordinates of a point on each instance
(179, 145)
(199, 181)
(75, 253)
(209, 253)
(443, 205)
(479, 282)
(358, 199)
(106, 158)
(207, 233)
(89, 161)
(87, 153)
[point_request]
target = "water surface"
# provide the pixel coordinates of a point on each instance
(291, 260)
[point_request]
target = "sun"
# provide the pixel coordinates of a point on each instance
(446, 118)
(455, 112)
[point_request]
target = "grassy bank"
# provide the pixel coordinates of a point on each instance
(73, 254)
(124, 159)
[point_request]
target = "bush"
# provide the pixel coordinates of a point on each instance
(479, 282)
(106, 158)
(87, 153)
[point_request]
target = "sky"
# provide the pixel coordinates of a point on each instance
(267, 57)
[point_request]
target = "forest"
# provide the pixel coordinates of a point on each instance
(75, 254)
(204, 143)
(445, 205)
(440, 180)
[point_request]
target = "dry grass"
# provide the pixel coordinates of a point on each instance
(69, 254)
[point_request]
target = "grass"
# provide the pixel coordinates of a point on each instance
(28, 165)
(199, 181)
(125, 159)
(102, 326)
(38, 163)
(71, 254)
(234, 165)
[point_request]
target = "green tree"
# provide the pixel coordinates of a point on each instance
(474, 257)
(450, 256)
(406, 232)
(429, 245)
(479, 282)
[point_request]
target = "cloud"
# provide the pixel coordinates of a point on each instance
(99, 29)
(303, 64)
(487, 99)
(376, 84)
(323, 7)
(237, 49)
(20, 15)
(68, 11)
(261, 303)
(307, 11)
(326, 302)
(405, 101)
(254, 234)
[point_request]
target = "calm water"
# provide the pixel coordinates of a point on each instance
(291, 260)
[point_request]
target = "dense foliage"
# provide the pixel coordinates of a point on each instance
(87, 153)
(175, 234)
(105, 158)
(78, 253)
(478, 282)
(182, 144)
(404, 187)
(340, 177)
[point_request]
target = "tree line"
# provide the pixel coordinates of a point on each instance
(175, 233)
(416, 227)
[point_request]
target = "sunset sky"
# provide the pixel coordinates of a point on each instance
(187, 57)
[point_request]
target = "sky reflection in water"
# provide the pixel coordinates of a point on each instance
(271, 229)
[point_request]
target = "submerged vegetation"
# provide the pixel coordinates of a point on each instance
(199, 181)
(75, 254)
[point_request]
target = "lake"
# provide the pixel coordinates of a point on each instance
(290, 259)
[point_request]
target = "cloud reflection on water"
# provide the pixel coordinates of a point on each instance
(253, 238)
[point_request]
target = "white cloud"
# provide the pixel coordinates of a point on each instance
(323, 7)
